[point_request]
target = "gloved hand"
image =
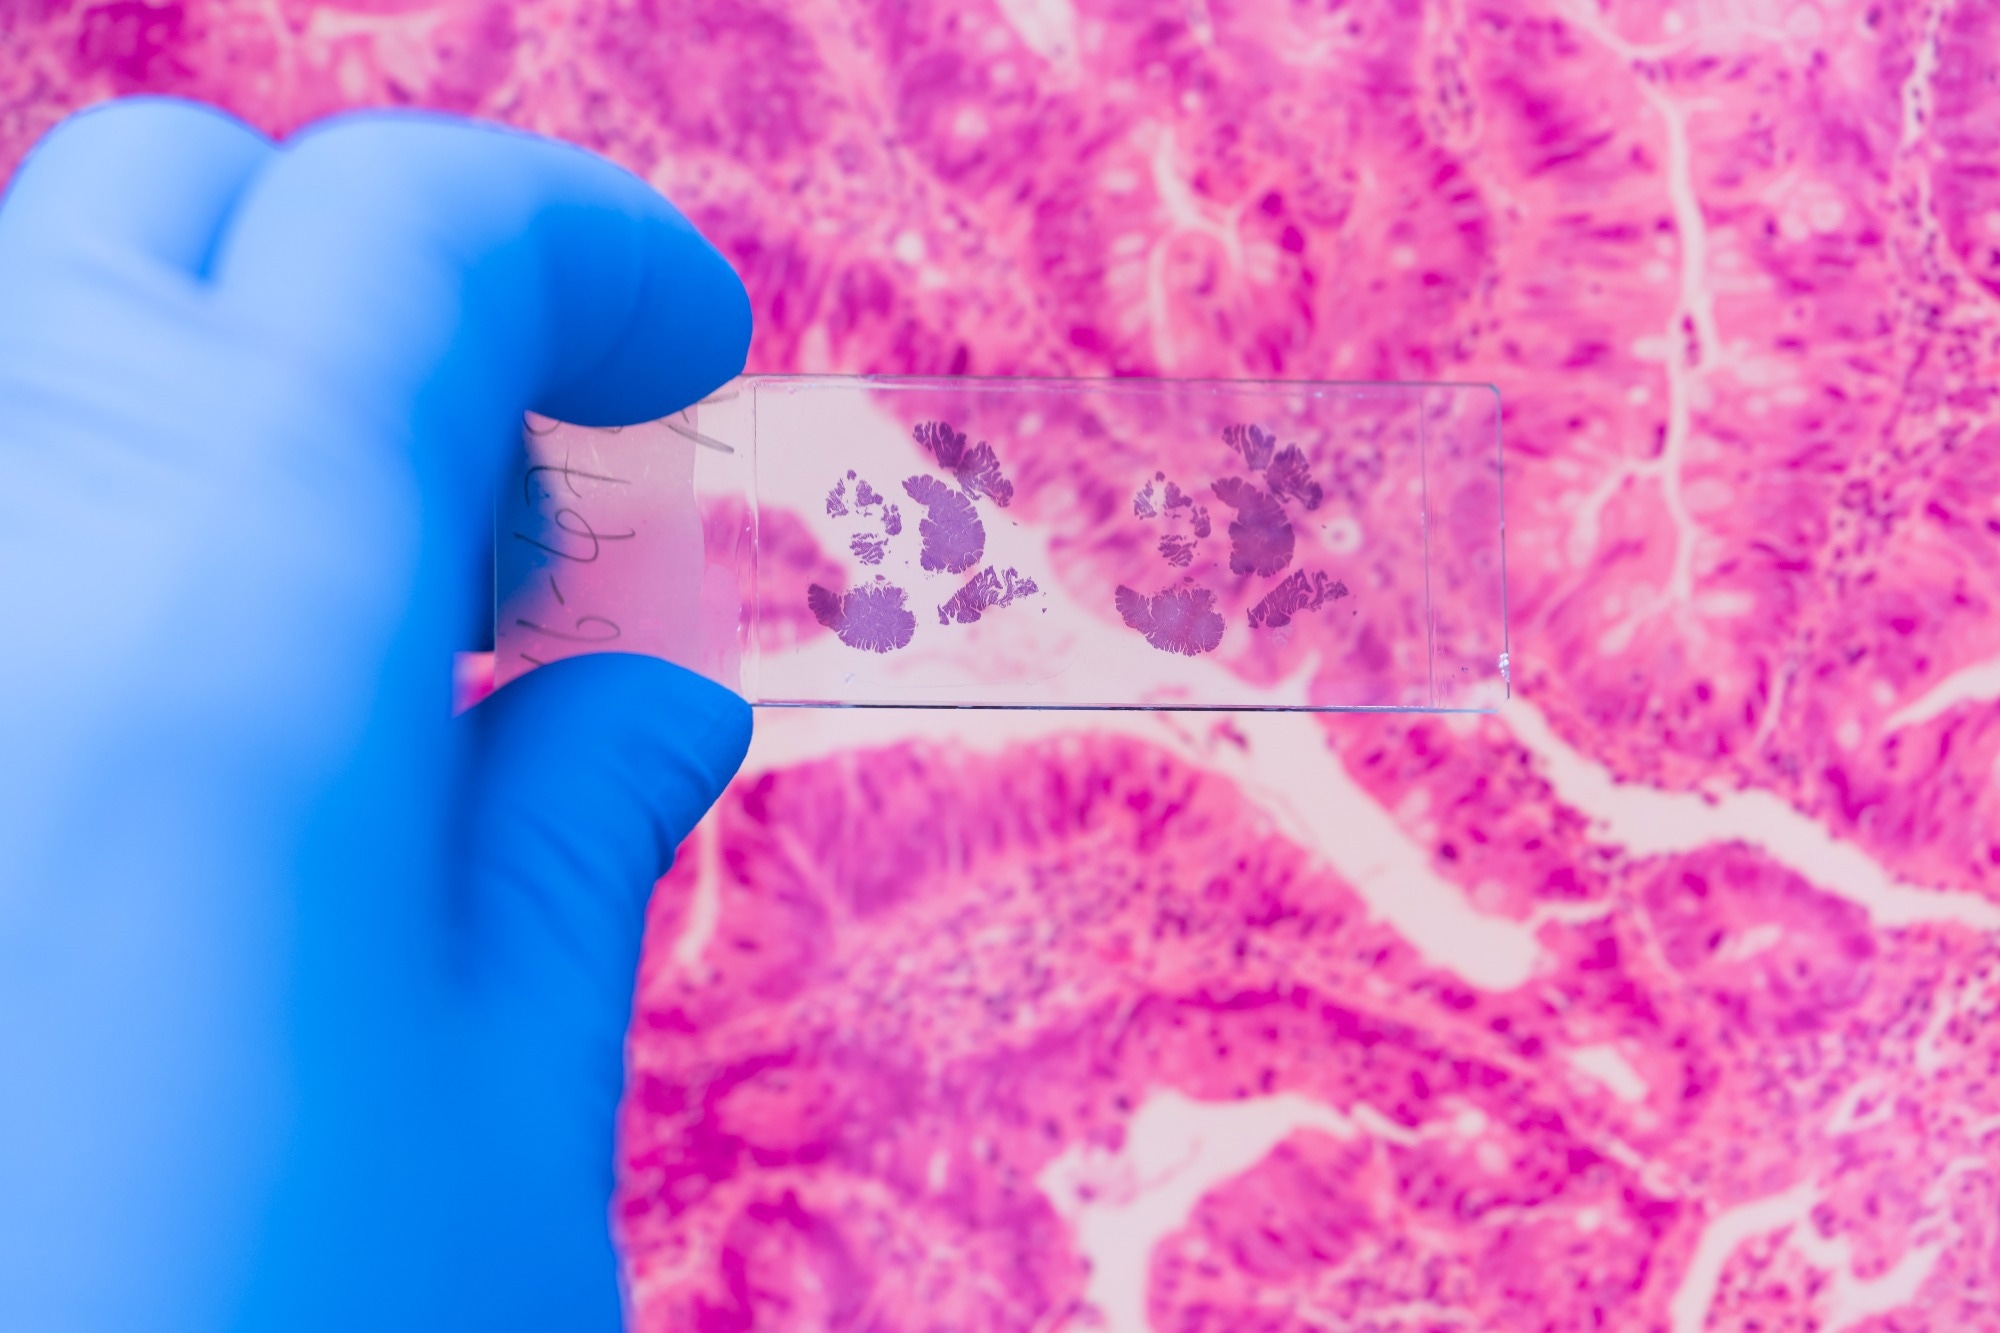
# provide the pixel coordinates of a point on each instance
(313, 999)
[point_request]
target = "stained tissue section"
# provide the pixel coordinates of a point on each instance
(1179, 620)
(871, 617)
(953, 537)
(1296, 594)
(867, 547)
(988, 590)
(1289, 478)
(1178, 548)
(1253, 443)
(1142, 503)
(1285, 469)
(1262, 543)
(1260, 536)
(1177, 499)
(1175, 505)
(975, 468)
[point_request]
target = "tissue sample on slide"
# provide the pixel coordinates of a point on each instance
(953, 536)
(871, 617)
(1260, 536)
(1262, 544)
(1175, 620)
(1087, 1033)
(974, 467)
(1178, 508)
(988, 590)
(1295, 595)
(951, 540)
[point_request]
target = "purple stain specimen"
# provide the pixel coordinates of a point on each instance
(1287, 475)
(1260, 536)
(1171, 500)
(1295, 595)
(872, 618)
(892, 521)
(1178, 551)
(865, 495)
(836, 500)
(976, 469)
(944, 443)
(979, 474)
(1142, 503)
(1178, 620)
(1252, 442)
(988, 590)
(868, 548)
(954, 538)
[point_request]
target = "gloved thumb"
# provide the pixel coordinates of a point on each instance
(586, 774)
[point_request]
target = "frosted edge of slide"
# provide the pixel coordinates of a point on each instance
(830, 541)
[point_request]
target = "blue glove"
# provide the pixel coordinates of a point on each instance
(313, 998)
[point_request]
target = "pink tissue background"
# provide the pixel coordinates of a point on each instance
(1663, 1000)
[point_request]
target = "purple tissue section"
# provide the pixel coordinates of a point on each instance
(1288, 478)
(1260, 536)
(1295, 595)
(952, 540)
(1284, 469)
(975, 467)
(1176, 505)
(987, 590)
(1142, 503)
(1253, 442)
(953, 537)
(870, 548)
(1263, 542)
(871, 618)
(1179, 620)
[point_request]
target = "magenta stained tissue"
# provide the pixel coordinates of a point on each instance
(954, 538)
(1027, 543)
(871, 617)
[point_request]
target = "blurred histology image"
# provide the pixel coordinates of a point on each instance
(1666, 998)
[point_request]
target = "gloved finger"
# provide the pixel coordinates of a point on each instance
(433, 260)
(587, 773)
(153, 176)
